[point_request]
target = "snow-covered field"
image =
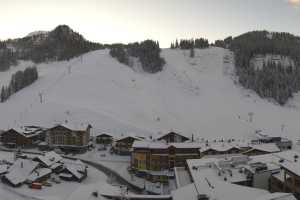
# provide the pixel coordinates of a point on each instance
(191, 95)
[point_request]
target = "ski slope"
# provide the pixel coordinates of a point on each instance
(191, 95)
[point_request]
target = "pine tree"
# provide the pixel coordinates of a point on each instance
(176, 44)
(172, 46)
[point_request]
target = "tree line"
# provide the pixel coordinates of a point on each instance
(148, 53)
(199, 43)
(223, 43)
(7, 57)
(19, 80)
(273, 80)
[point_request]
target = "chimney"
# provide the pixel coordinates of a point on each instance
(21, 164)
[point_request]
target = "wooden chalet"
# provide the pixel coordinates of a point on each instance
(123, 145)
(172, 137)
(19, 137)
(69, 138)
(104, 138)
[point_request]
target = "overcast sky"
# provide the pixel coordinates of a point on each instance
(109, 21)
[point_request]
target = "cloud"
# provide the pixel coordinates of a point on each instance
(294, 2)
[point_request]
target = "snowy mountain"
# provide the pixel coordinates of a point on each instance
(191, 95)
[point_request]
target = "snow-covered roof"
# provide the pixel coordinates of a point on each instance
(3, 168)
(163, 145)
(188, 192)
(73, 126)
(28, 131)
(160, 135)
(217, 190)
(269, 147)
(103, 134)
(50, 158)
(277, 196)
(221, 190)
(65, 175)
(38, 173)
(20, 170)
(55, 165)
(293, 167)
(219, 146)
(215, 169)
(229, 166)
(76, 168)
(129, 136)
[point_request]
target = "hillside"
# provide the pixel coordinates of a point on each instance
(190, 96)
(268, 63)
(62, 43)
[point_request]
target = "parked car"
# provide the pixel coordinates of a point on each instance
(35, 185)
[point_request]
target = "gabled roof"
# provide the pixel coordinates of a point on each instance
(104, 134)
(160, 136)
(220, 146)
(39, 173)
(23, 131)
(163, 145)
(20, 170)
(128, 136)
(72, 126)
(269, 147)
(49, 158)
(76, 168)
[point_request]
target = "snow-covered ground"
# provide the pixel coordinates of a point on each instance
(191, 95)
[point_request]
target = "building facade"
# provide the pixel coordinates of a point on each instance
(14, 138)
(68, 138)
(154, 160)
(123, 145)
(104, 138)
(288, 181)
